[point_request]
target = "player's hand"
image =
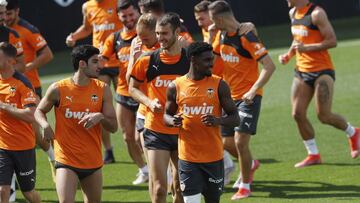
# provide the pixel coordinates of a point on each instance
(284, 58)
(249, 96)
(245, 28)
(300, 47)
(29, 66)
(48, 134)
(70, 41)
(91, 119)
(177, 120)
(210, 120)
(155, 106)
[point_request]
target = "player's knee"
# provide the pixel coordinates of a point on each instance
(240, 145)
(298, 115)
(4, 193)
(324, 118)
(32, 196)
(159, 190)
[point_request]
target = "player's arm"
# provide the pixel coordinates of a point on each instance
(321, 20)
(51, 98)
(43, 57)
(285, 58)
(264, 76)
(171, 119)
(135, 92)
(83, 31)
(232, 119)
(135, 52)
(109, 122)
(26, 114)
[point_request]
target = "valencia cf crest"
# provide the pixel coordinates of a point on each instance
(94, 98)
(12, 91)
(210, 92)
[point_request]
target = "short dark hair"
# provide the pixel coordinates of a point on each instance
(148, 20)
(197, 48)
(12, 4)
(170, 18)
(203, 6)
(125, 4)
(8, 49)
(82, 52)
(220, 7)
(156, 6)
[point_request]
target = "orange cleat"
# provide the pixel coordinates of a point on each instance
(311, 159)
(241, 194)
(354, 142)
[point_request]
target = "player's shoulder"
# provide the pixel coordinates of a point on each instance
(9, 31)
(22, 80)
(250, 36)
(98, 83)
(28, 26)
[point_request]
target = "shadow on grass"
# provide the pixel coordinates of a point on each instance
(51, 201)
(126, 187)
(268, 161)
(303, 189)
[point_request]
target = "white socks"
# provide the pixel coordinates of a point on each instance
(192, 198)
(245, 185)
(311, 147)
(144, 169)
(350, 130)
(228, 162)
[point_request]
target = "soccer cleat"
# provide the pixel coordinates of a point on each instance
(354, 142)
(251, 177)
(227, 174)
(311, 159)
(241, 194)
(109, 157)
(141, 178)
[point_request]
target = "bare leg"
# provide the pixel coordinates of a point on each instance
(92, 187)
(66, 185)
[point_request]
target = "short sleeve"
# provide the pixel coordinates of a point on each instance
(16, 42)
(140, 67)
(28, 97)
(254, 46)
(108, 48)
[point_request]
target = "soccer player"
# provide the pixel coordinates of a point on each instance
(83, 106)
(158, 69)
(194, 103)
(241, 52)
(100, 19)
(36, 54)
(126, 107)
(314, 77)
(17, 139)
(11, 36)
(157, 8)
(201, 12)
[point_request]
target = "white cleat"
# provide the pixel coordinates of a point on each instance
(141, 178)
(227, 174)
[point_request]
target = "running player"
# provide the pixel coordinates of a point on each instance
(36, 54)
(100, 19)
(313, 35)
(194, 103)
(158, 69)
(241, 53)
(83, 106)
(11, 36)
(17, 139)
(126, 107)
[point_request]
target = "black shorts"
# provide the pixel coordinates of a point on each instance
(23, 163)
(81, 173)
(127, 102)
(249, 116)
(159, 141)
(140, 123)
(38, 92)
(310, 78)
(204, 178)
(112, 72)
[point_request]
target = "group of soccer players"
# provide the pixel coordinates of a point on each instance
(184, 107)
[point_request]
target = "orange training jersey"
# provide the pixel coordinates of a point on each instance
(197, 142)
(16, 134)
(158, 71)
(12, 37)
(119, 43)
(74, 145)
(103, 18)
(32, 42)
(305, 32)
(240, 55)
